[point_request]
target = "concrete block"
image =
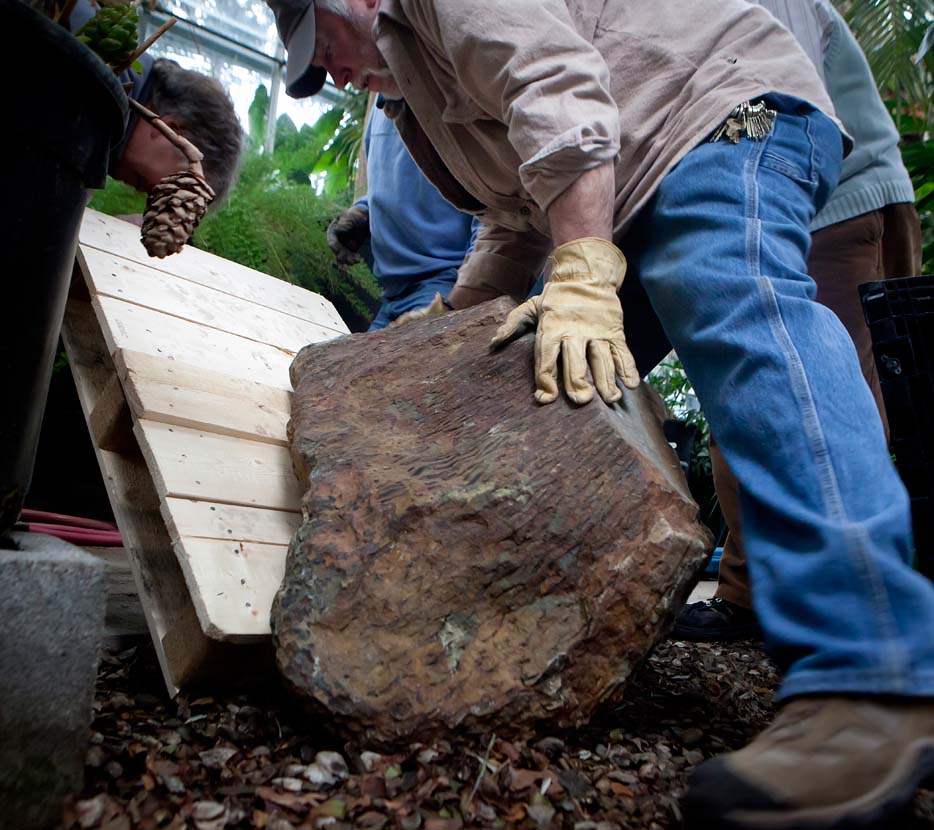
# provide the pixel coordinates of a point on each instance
(52, 601)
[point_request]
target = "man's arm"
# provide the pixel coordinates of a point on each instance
(578, 314)
(524, 64)
(585, 208)
(528, 66)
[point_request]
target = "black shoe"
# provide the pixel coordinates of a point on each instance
(716, 620)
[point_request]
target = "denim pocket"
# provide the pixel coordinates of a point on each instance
(790, 151)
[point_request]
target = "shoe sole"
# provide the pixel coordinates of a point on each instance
(871, 810)
(706, 635)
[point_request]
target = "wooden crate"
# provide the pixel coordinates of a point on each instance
(182, 372)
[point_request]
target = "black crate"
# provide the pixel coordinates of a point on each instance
(900, 315)
(923, 529)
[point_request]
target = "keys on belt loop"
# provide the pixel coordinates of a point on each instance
(753, 120)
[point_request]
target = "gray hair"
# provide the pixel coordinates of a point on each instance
(338, 7)
(205, 115)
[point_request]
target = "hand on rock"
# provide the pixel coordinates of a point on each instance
(436, 306)
(579, 316)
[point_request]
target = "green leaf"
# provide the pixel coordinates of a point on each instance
(927, 43)
(118, 199)
(340, 131)
(891, 33)
(334, 808)
(138, 67)
(275, 225)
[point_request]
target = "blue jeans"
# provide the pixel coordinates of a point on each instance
(719, 255)
(401, 296)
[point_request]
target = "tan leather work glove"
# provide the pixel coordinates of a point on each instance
(579, 316)
(436, 306)
(347, 234)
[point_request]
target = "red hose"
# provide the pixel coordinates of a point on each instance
(75, 529)
(61, 519)
(88, 538)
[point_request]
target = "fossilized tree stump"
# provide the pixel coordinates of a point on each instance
(471, 560)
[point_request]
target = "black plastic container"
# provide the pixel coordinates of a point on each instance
(63, 112)
(900, 315)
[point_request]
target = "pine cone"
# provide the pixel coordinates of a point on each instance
(173, 211)
(113, 33)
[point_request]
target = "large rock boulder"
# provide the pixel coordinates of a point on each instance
(471, 560)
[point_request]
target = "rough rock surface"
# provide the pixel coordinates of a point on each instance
(470, 560)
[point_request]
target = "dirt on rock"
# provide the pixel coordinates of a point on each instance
(250, 759)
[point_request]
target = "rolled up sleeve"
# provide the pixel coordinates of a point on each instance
(523, 63)
(503, 261)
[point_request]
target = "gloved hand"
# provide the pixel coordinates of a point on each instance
(436, 306)
(579, 316)
(347, 234)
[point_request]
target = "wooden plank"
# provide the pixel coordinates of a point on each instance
(202, 349)
(123, 279)
(233, 558)
(177, 393)
(132, 327)
(158, 576)
(121, 238)
(187, 656)
(201, 465)
(236, 581)
(211, 520)
(110, 421)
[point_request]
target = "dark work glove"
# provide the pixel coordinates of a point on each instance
(347, 234)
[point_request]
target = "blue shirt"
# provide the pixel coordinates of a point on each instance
(414, 232)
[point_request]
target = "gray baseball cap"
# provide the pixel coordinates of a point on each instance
(295, 20)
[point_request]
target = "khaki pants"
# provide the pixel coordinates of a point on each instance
(878, 245)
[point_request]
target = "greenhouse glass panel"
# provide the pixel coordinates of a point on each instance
(234, 41)
(247, 22)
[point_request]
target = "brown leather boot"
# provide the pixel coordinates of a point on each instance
(825, 762)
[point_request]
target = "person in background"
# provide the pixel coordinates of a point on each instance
(194, 105)
(417, 239)
(868, 230)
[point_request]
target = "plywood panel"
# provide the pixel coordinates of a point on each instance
(199, 349)
(132, 327)
(209, 467)
(123, 279)
(237, 580)
(122, 239)
(178, 393)
(210, 520)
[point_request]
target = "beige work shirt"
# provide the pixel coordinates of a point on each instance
(507, 102)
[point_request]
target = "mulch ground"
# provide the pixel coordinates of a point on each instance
(249, 759)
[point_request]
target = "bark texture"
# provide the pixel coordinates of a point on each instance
(470, 560)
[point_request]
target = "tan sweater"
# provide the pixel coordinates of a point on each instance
(507, 102)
